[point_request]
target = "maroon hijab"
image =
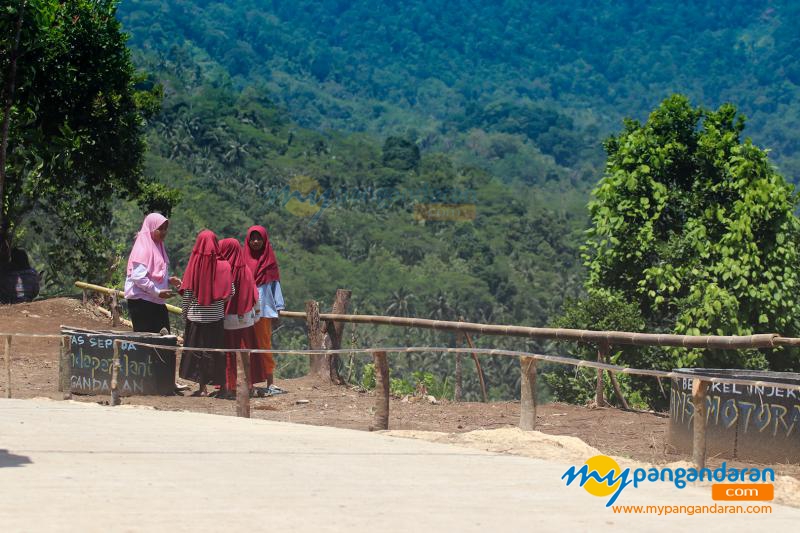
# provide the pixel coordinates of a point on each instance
(246, 291)
(262, 264)
(207, 274)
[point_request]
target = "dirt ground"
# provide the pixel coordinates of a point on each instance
(632, 435)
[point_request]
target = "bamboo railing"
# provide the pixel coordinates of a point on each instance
(603, 340)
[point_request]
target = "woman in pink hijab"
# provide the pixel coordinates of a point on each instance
(148, 280)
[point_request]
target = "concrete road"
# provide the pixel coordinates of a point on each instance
(67, 466)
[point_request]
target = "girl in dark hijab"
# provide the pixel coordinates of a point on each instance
(206, 287)
(240, 314)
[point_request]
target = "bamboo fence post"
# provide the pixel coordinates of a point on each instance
(63, 367)
(115, 399)
(243, 385)
(381, 390)
(457, 388)
(527, 410)
(8, 365)
(602, 353)
(699, 389)
(478, 368)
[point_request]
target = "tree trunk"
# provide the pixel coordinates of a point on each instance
(333, 334)
(316, 340)
(8, 100)
(326, 335)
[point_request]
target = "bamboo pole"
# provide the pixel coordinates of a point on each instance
(699, 389)
(243, 385)
(8, 365)
(115, 399)
(107, 290)
(527, 409)
(381, 390)
(732, 342)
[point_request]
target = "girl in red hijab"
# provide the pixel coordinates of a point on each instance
(260, 259)
(240, 314)
(207, 285)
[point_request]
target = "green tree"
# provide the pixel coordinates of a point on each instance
(75, 130)
(698, 229)
(400, 154)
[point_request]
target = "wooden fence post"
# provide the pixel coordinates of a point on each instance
(114, 310)
(243, 385)
(602, 352)
(381, 390)
(85, 296)
(316, 340)
(333, 334)
(115, 399)
(527, 410)
(459, 379)
(699, 389)
(64, 385)
(8, 366)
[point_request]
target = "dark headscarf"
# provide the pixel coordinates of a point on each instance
(207, 275)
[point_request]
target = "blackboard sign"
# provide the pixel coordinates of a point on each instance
(743, 421)
(143, 370)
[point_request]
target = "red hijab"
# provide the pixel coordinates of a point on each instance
(246, 291)
(207, 274)
(262, 263)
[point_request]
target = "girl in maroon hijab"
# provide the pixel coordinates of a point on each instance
(207, 285)
(240, 314)
(260, 259)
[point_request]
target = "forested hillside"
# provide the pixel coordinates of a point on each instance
(373, 108)
(443, 68)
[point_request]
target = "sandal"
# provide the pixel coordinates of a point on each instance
(274, 389)
(199, 394)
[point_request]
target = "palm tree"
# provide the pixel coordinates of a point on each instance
(400, 302)
(442, 310)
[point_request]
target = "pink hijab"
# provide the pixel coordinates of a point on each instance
(148, 252)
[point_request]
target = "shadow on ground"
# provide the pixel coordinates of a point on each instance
(9, 459)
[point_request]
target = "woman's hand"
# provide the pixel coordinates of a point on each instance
(175, 281)
(166, 293)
